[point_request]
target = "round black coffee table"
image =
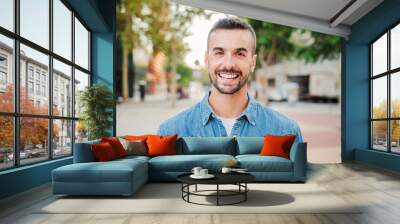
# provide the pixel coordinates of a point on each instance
(238, 179)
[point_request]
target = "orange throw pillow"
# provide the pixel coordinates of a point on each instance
(103, 152)
(161, 145)
(116, 145)
(277, 145)
(137, 137)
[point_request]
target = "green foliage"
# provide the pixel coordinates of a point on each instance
(97, 109)
(186, 74)
(275, 43)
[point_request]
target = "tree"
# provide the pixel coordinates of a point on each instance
(128, 34)
(97, 103)
(276, 43)
(180, 19)
(33, 131)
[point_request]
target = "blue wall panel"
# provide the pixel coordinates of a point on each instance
(355, 128)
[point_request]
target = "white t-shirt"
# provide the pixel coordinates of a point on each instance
(228, 124)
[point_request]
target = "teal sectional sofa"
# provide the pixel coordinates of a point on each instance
(125, 176)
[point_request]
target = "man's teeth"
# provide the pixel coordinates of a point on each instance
(228, 76)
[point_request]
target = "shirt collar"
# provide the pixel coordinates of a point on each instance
(249, 113)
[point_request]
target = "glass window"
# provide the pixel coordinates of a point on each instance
(7, 14)
(379, 56)
(6, 73)
(81, 45)
(62, 72)
(6, 142)
(40, 62)
(34, 80)
(34, 21)
(379, 98)
(33, 140)
(395, 136)
(81, 131)
(379, 135)
(62, 29)
(395, 47)
(81, 81)
(395, 95)
(62, 137)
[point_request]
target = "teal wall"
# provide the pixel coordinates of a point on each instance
(99, 15)
(355, 85)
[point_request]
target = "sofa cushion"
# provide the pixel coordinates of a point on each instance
(161, 145)
(257, 163)
(134, 147)
(249, 145)
(116, 145)
(111, 171)
(83, 152)
(206, 145)
(277, 145)
(185, 163)
(103, 152)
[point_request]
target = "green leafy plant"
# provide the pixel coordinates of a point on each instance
(97, 104)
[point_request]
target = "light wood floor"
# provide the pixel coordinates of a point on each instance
(377, 188)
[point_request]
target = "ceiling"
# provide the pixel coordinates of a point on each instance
(326, 16)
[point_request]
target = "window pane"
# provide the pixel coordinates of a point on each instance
(379, 97)
(395, 47)
(6, 142)
(379, 135)
(62, 138)
(81, 45)
(6, 74)
(62, 89)
(395, 94)
(81, 131)
(62, 29)
(33, 139)
(7, 14)
(379, 55)
(395, 136)
(81, 81)
(34, 72)
(35, 21)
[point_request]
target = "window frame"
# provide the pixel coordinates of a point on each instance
(388, 74)
(16, 115)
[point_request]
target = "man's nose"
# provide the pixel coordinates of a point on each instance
(229, 61)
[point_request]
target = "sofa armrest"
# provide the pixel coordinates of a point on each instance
(298, 155)
(83, 152)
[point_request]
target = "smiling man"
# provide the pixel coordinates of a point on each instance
(228, 110)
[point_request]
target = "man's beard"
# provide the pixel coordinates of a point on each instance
(242, 82)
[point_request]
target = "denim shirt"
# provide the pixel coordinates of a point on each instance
(255, 121)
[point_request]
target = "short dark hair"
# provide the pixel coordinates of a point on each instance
(231, 23)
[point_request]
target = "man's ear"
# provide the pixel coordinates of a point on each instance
(253, 63)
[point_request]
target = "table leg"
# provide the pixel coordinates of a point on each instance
(217, 194)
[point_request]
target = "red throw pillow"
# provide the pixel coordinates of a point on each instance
(277, 145)
(116, 145)
(161, 145)
(103, 151)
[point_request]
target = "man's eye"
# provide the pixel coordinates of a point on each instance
(241, 54)
(218, 53)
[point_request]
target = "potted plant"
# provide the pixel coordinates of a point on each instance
(97, 103)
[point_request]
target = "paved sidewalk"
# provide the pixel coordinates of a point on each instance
(320, 123)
